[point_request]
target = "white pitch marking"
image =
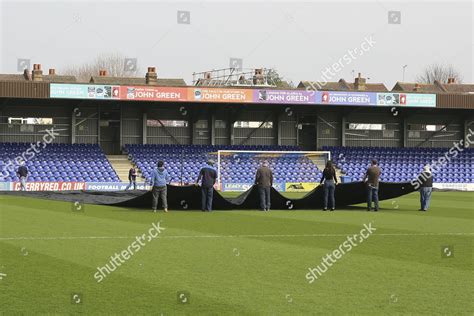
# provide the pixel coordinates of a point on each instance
(230, 236)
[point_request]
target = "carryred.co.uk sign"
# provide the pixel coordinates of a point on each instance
(50, 186)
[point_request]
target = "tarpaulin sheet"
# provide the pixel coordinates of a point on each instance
(189, 197)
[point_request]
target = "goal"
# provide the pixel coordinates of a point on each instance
(293, 171)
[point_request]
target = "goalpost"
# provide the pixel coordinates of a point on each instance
(293, 171)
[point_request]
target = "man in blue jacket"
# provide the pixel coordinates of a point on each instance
(159, 179)
(208, 176)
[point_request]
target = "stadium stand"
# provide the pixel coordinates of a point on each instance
(59, 162)
(186, 161)
(286, 168)
(404, 164)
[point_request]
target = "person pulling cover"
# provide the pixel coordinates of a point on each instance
(132, 178)
(330, 181)
(371, 179)
(23, 175)
(426, 187)
(264, 182)
(207, 176)
(159, 179)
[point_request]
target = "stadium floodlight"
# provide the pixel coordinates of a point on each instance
(297, 171)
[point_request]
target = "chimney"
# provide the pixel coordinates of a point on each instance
(27, 75)
(151, 77)
(102, 73)
(52, 72)
(417, 87)
(258, 78)
(451, 80)
(37, 74)
(360, 83)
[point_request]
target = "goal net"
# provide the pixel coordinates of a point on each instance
(293, 171)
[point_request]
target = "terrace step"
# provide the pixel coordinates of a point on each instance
(320, 162)
(122, 165)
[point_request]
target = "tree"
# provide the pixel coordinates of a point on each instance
(275, 78)
(114, 64)
(440, 73)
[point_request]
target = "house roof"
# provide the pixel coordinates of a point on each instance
(137, 81)
(436, 87)
(46, 78)
(458, 87)
(341, 85)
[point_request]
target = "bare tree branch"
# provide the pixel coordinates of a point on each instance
(440, 73)
(114, 64)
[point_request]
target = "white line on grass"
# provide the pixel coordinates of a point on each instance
(229, 236)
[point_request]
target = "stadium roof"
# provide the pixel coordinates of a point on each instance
(33, 84)
(151, 79)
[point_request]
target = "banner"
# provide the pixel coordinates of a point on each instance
(220, 95)
(454, 186)
(49, 186)
(82, 91)
(4, 186)
(415, 99)
(391, 99)
(284, 96)
(279, 186)
(113, 186)
(242, 187)
(406, 99)
(346, 98)
(300, 186)
(230, 95)
(142, 93)
(236, 187)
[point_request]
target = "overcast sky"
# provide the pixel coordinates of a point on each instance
(299, 39)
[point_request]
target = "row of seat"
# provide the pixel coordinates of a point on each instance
(405, 164)
(185, 162)
(57, 162)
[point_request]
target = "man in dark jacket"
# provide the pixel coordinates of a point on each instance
(426, 186)
(264, 182)
(371, 179)
(132, 177)
(23, 175)
(207, 176)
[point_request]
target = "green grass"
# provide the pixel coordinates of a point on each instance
(398, 270)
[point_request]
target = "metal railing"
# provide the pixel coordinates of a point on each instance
(246, 77)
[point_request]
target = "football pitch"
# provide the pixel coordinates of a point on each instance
(237, 262)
